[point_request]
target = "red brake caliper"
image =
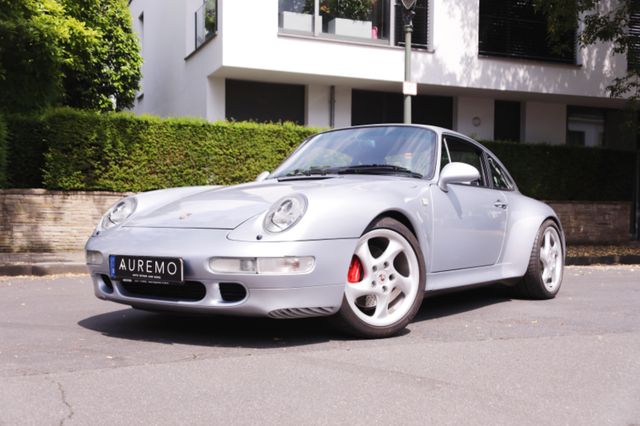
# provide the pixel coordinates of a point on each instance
(355, 270)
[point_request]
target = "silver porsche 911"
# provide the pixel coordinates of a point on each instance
(357, 223)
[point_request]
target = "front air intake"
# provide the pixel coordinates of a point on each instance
(300, 313)
(232, 292)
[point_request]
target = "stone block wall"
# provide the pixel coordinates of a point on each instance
(38, 220)
(594, 223)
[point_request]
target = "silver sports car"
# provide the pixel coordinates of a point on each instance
(357, 223)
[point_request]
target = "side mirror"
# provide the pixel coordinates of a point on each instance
(457, 173)
(262, 176)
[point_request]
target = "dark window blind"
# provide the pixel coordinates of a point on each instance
(514, 28)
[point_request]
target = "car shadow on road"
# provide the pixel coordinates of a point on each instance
(263, 333)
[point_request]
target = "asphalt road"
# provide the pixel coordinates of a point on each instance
(476, 357)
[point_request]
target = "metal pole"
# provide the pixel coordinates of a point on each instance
(408, 29)
(637, 195)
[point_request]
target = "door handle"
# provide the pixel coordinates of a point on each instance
(500, 204)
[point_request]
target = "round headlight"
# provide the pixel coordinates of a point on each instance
(285, 213)
(119, 213)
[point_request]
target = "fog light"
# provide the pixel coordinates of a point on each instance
(93, 257)
(289, 265)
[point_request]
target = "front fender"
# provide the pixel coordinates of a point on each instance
(330, 216)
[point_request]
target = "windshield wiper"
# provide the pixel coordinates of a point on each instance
(375, 169)
(322, 171)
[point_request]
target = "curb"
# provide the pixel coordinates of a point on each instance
(603, 260)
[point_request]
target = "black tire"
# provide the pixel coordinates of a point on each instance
(349, 321)
(533, 285)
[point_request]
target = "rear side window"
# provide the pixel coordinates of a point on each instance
(499, 177)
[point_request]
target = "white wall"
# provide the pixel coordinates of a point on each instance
(468, 108)
(248, 46)
(252, 42)
(317, 105)
(545, 123)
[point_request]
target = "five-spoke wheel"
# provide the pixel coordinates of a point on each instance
(544, 274)
(385, 281)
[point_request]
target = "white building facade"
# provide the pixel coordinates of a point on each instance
(482, 67)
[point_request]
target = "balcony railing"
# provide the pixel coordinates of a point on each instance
(206, 22)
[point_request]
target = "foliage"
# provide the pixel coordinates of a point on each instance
(110, 69)
(69, 149)
(210, 16)
(571, 173)
(74, 52)
(3, 153)
(349, 9)
(602, 22)
(36, 37)
(117, 151)
(26, 146)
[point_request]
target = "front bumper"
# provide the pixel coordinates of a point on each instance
(316, 293)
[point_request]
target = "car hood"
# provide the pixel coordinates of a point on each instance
(228, 207)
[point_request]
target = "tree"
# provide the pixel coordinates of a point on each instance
(34, 35)
(81, 53)
(108, 70)
(617, 22)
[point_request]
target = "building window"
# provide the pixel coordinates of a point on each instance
(506, 123)
(513, 28)
(264, 102)
(585, 126)
(356, 20)
(419, 36)
(206, 22)
(369, 107)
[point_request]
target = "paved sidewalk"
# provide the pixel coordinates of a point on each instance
(39, 264)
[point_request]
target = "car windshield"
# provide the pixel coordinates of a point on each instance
(392, 150)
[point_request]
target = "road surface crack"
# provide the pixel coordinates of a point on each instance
(63, 399)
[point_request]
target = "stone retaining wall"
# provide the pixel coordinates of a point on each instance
(594, 223)
(37, 220)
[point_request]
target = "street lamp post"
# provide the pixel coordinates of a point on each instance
(408, 87)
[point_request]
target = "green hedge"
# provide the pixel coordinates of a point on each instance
(561, 172)
(74, 150)
(122, 152)
(3, 152)
(26, 146)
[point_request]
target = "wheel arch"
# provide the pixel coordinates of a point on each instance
(400, 217)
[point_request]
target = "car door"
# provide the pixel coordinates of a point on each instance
(469, 220)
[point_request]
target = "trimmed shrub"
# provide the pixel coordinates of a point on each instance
(3, 153)
(561, 172)
(122, 152)
(26, 146)
(77, 150)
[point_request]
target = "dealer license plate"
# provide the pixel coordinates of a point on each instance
(146, 269)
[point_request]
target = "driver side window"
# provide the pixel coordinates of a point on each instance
(461, 151)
